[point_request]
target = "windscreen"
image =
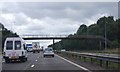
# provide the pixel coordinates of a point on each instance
(9, 45)
(48, 49)
(17, 45)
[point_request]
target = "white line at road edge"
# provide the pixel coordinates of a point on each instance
(74, 64)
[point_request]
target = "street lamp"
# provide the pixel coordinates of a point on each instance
(105, 36)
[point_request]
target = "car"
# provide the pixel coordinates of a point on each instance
(29, 49)
(14, 50)
(48, 52)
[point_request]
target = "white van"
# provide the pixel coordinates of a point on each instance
(14, 49)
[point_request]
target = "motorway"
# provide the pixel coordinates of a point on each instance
(0, 62)
(36, 61)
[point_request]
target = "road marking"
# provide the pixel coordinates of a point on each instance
(28, 53)
(74, 64)
(32, 66)
(38, 56)
(3, 61)
(36, 60)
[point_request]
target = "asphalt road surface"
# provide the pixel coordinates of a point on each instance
(36, 61)
(0, 62)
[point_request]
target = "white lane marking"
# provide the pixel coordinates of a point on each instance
(38, 56)
(3, 61)
(36, 60)
(29, 63)
(74, 64)
(32, 66)
(29, 53)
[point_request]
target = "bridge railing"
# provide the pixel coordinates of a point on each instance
(32, 36)
(78, 37)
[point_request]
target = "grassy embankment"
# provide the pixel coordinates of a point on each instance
(108, 51)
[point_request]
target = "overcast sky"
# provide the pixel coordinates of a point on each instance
(46, 18)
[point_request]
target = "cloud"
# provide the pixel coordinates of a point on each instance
(73, 11)
(53, 18)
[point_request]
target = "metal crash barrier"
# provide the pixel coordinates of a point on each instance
(101, 58)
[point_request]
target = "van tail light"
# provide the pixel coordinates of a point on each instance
(4, 53)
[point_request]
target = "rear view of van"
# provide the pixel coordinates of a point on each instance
(14, 49)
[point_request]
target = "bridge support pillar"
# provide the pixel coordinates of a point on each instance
(53, 43)
(100, 45)
(101, 63)
(107, 64)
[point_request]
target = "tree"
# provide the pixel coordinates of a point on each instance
(6, 33)
(112, 32)
(82, 30)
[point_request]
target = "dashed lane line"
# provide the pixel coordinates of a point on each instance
(32, 66)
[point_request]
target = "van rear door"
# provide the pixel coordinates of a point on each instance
(13, 49)
(18, 48)
(9, 48)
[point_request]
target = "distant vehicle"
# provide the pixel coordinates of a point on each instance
(63, 50)
(35, 47)
(14, 49)
(48, 52)
(42, 48)
(29, 47)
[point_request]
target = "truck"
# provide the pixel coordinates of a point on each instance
(35, 47)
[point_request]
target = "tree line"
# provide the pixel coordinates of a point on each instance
(6, 33)
(112, 33)
(104, 24)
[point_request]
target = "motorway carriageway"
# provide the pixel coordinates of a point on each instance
(36, 61)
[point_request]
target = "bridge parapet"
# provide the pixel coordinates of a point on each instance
(78, 37)
(42, 36)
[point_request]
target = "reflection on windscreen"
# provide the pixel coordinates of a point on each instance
(9, 45)
(17, 45)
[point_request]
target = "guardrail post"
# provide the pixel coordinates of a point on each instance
(72, 55)
(84, 59)
(53, 43)
(80, 57)
(76, 56)
(101, 63)
(106, 64)
(91, 60)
